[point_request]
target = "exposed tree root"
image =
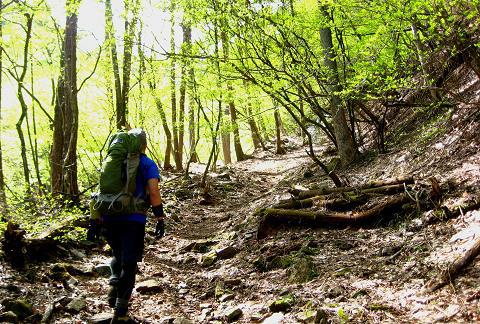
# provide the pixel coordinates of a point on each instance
(273, 216)
(323, 200)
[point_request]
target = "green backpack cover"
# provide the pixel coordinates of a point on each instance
(118, 177)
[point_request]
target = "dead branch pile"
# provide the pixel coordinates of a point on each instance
(345, 206)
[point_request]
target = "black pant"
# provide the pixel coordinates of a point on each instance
(126, 240)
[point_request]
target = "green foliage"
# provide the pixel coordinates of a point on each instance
(275, 59)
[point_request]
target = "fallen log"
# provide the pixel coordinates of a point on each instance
(385, 189)
(274, 216)
(323, 201)
(449, 274)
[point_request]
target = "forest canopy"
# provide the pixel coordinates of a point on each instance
(212, 80)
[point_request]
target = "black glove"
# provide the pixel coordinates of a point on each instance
(93, 231)
(160, 228)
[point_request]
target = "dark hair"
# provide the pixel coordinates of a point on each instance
(141, 134)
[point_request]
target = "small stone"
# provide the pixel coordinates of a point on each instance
(103, 270)
(313, 316)
(302, 270)
(321, 317)
(275, 318)
(149, 286)
(233, 282)
(101, 318)
(205, 305)
(21, 308)
(181, 320)
(78, 254)
(76, 305)
(8, 317)
(227, 253)
(226, 297)
(257, 317)
(208, 259)
(72, 281)
(283, 304)
(233, 314)
(205, 312)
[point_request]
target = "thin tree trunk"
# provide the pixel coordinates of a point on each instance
(127, 57)
(70, 184)
(187, 35)
(231, 105)
(110, 36)
(173, 90)
(24, 107)
(427, 81)
(279, 144)
(168, 149)
(3, 198)
(141, 73)
(33, 141)
(191, 118)
(255, 133)
(343, 136)
(227, 154)
(236, 134)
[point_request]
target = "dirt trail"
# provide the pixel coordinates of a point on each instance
(189, 286)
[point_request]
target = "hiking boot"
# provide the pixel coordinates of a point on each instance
(112, 296)
(117, 319)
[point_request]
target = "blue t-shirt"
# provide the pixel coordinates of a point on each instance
(147, 169)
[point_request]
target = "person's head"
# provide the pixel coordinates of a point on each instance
(140, 133)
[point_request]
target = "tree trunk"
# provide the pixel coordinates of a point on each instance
(3, 198)
(141, 73)
(168, 149)
(191, 118)
(173, 90)
(255, 133)
(187, 35)
(346, 147)
(231, 105)
(23, 105)
(70, 184)
(64, 148)
(279, 144)
(33, 139)
(110, 37)
(127, 57)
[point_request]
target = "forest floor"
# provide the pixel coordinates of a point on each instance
(210, 267)
(371, 274)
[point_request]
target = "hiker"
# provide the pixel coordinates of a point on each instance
(125, 232)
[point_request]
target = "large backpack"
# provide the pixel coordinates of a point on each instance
(118, 176)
